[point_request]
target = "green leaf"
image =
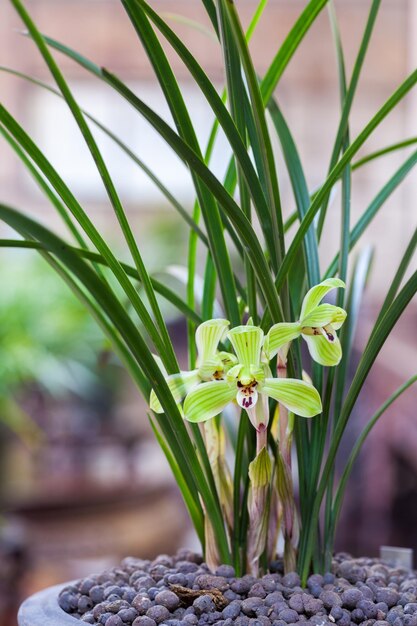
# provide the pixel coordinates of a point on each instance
(377, 340)
(171, 424)
(245, 230)
(208, 400)
(372, 210)
(262, 134)
(392, 101)
(175, 101)
(87, 225)
(359, 443)
(169, 354)
(347, 97)
(236, 94)
(296, 395)
(399, 275)
(194, 509)
(45, 188)
(290, 46)
(159, 287)
(222, 117)
(300, 190)
(387, 150)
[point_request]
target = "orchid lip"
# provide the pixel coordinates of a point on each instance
(247, 396)
(328, 333)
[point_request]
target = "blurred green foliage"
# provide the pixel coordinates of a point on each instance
(46, 336)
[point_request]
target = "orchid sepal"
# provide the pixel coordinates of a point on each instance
(280, 335)
(208, 400)
(296, 395)
(208, 336)
(317, 293)
(247, 343)
(179, 385)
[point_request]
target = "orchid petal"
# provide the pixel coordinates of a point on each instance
(228, 359)
(298, 396)
(339, 318)
(316, 294)
(247, 343)
(279, 335)
(208, 336)
(234, 373)
(323, 351)
(208, 400)
(325, 314)
(209, 367)
(217, 366)
(179, 385)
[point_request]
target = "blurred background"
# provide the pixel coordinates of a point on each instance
(82, 482)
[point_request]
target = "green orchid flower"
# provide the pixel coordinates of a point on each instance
(317, 325)
(250, 384)
(211, 364)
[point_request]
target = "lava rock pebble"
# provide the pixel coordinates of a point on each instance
(168, 599)
(158, 613)
(356, 592)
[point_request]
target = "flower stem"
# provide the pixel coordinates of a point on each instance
(261, 437)
(284, 479)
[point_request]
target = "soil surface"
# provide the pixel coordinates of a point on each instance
(181, 591)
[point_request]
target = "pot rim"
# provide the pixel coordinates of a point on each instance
(42, 609)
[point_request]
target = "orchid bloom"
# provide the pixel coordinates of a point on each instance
(211, 364)
(250, 383)
(317, 325)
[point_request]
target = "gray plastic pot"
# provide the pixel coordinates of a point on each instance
(42, 609)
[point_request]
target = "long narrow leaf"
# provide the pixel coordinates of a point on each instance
(359, 443)
(195, 511)
(222, 116)
(171, 423)
(382, 113)
(84, 221)
(372, 210)
(186, 131)
(263, 137)
(348, 101)
(289, 47)
(226, 202)
(105, 176)
(300, 191)
(159, 287)
(378, 153)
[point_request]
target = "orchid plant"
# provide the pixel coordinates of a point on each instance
(251, 468)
